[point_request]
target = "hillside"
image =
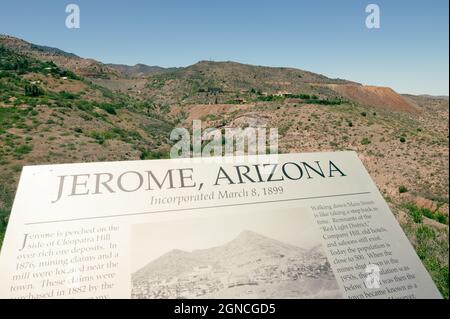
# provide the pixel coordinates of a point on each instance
(225, 82)
(52, 115)
(56, 107)
(65, 60)
(380, 97)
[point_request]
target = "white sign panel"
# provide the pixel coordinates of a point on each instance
(291, 226)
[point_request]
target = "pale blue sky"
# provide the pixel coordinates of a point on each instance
(408, 53)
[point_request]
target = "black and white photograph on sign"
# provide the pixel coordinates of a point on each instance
(260, 254)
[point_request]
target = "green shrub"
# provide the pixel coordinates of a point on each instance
(84, 105)
(402, 189)
(86, 117)
(441, 218)
(101, 137)
(334, 144)
(116, 133)
(23, 149)
(4, 214)
(67, 95)
(148, 154)
(300, 96)
(108, 108)
(33, 90)
(402, 139)
(415, 212)
(365, 141)
(270, 98)
(2, 231)
(430, 251)
(424, 233)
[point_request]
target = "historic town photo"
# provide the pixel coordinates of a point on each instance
(258, 254)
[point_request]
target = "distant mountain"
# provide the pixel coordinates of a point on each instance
(69, 61)
(138, 70)
(427, 97)
(250, 260)
(53, 51)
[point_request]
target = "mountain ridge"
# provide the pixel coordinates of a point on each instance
(174, 83)
(138, 70)
(28, 47)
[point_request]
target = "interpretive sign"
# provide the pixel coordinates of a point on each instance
(288, 226)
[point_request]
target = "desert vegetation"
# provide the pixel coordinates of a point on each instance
(59, 108)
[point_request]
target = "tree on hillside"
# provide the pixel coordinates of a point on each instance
(33, 90)
(149, 105)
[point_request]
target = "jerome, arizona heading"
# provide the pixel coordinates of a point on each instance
(132, 181)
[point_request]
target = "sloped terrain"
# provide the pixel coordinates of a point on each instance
(56, 107)
(52, 115)
(225, 82)
(381, 97)
(69, 61)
